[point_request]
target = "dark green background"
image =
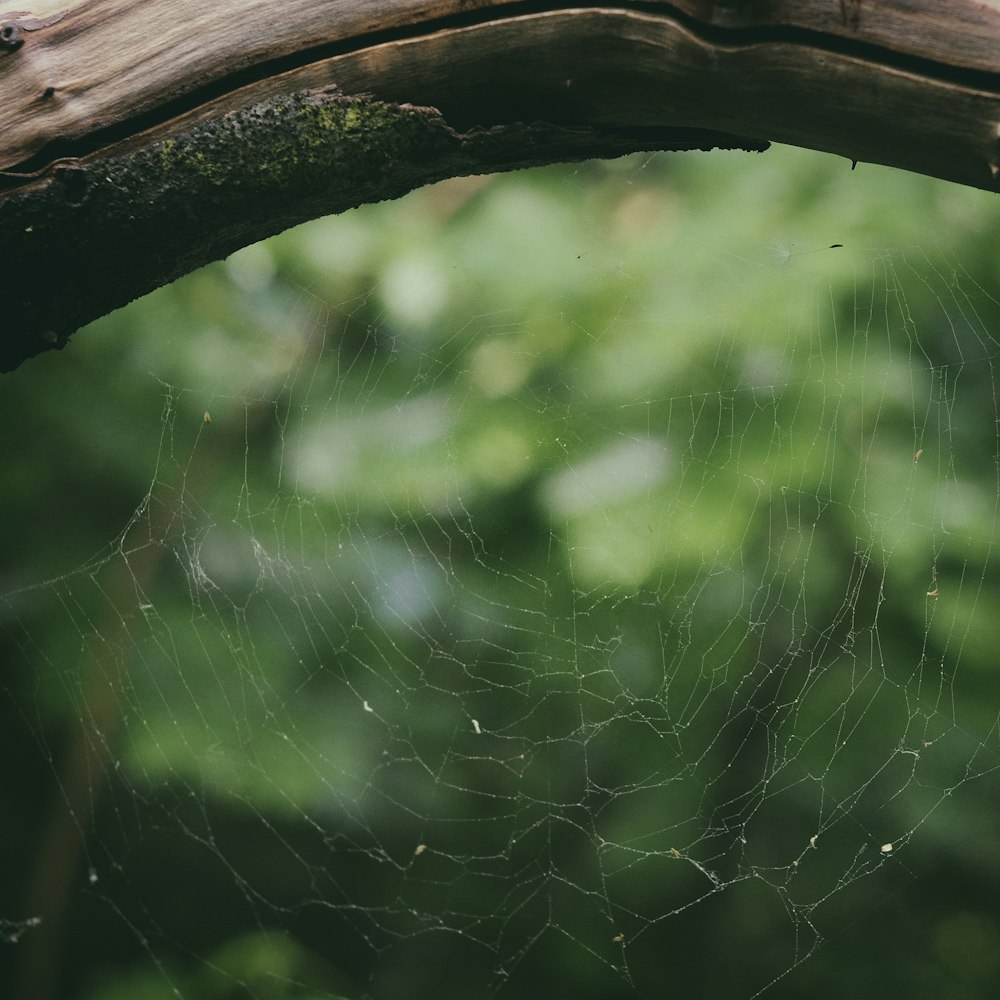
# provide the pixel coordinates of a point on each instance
(614, 463)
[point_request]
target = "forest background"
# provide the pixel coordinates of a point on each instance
(570, 582)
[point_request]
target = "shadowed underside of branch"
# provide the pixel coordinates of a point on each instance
(144, 138)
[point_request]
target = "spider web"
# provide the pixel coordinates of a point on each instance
(547, 583)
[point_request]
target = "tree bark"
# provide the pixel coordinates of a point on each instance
(144, 138)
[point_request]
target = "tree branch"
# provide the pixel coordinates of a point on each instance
(144, 138)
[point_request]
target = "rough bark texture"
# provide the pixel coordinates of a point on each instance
(143, 138)
(94, 236)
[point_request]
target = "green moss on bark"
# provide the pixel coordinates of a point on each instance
(90, 236)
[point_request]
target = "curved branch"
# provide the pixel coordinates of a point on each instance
(143, 138)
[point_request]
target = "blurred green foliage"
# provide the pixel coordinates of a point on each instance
(569, 582)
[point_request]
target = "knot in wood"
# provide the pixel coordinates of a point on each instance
(11, 36)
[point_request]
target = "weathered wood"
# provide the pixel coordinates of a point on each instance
(142, 138)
